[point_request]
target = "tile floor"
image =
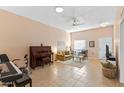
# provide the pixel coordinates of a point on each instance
(62, 75)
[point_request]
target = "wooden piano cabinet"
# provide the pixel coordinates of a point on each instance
(39, 54)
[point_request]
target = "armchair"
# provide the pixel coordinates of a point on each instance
(84, 52)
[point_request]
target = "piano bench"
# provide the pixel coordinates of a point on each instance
(23, 81)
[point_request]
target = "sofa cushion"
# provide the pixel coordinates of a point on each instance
(63, 52)
(60, 52)
(67, 55)
(67, 52)
(107, 64)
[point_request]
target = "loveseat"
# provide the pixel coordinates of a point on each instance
(63, 55)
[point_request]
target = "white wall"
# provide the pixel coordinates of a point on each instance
(118, 42)
(92, 35)
(121, 65)
(18, 33)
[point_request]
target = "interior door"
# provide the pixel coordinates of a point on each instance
(102, 46)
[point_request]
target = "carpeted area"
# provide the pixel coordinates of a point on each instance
(75, 63)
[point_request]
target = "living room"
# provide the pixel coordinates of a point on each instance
(22, 27)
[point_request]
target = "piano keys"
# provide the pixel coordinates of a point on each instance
(10, 72)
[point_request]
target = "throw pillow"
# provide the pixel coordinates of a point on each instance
(66, 52)
(107, 64)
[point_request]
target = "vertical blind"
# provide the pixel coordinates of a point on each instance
(79, 45)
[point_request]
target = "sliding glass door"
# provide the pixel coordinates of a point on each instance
(79, 45)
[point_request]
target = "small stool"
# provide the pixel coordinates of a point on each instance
(23, 81)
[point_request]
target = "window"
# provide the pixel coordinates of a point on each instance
(79, 45)
(61, 45)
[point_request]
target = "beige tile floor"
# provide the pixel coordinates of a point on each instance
(61, 75)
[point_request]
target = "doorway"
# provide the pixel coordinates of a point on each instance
(102, 46)
(79, 45)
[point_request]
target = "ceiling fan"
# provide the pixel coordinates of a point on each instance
(77, 21)
(75, 18)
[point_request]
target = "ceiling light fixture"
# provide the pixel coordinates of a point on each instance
(59, 9)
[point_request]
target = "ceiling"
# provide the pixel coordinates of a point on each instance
(89, 16)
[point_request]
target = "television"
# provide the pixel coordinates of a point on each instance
(109, 55)
(107, 52)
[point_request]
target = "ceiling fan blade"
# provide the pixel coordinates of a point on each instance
(78, 24)
(74, 18)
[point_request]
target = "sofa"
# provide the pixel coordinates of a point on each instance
(63, 55)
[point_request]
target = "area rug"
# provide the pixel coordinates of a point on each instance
(75, 63)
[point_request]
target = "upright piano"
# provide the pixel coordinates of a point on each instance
(40, 52)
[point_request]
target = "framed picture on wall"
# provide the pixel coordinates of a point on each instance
(91, 43)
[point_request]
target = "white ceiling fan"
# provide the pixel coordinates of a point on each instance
(75, 19)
